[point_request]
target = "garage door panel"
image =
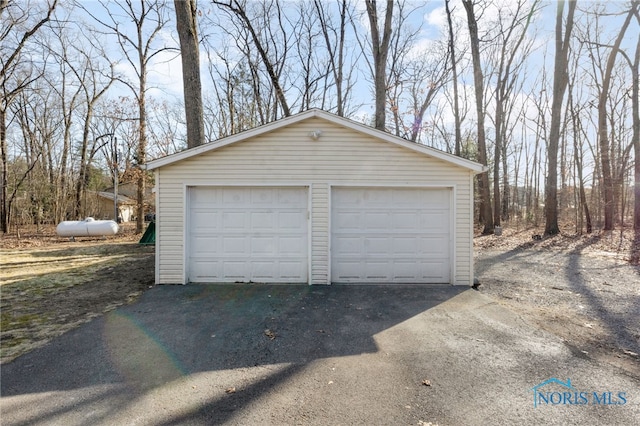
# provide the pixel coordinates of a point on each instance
(348, 246)
(292, 245)
(290, 196)
(435, 245)
(434, 221)
(205, 244)
(232, 271)
(405, 246)
(248, 234)
(349, 269)
(435, 271)
(263, 271)
(347, 220)
(208, 220)
(201, 269)
(234, 221)
(233, 246)
(373, 220)
(263, 221)
(376, 245)
(404, 221)
(292, 271)
(261, 196)
(205, 197)
(390, 235)
(377, 270)
(404, 197)
(291, 220)
(407, 271)
(262, 246)
(232, 197)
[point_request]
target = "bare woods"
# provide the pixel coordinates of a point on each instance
(545, 94)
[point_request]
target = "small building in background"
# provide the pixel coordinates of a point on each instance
(99, 205)
(129, 189)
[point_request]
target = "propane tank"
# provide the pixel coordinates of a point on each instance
(87, 228)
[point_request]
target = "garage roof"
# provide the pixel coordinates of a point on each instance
(316, 113)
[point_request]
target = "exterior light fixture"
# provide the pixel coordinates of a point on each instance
(315, 135)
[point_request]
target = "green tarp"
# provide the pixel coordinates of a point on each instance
(149, 236)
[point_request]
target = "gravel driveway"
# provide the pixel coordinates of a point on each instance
(576, 288)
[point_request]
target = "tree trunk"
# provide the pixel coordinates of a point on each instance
(506, 190)
(635, 107)
(380, 48)
(608, 181)
(496, 158)
(4, 214)
(454, 71)
(483, 178)
(142, 150)
(82, 175)
(188, 33)
(560, 81)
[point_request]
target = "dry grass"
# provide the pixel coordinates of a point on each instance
(49, 285)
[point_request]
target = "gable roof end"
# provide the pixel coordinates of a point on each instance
(316, 113)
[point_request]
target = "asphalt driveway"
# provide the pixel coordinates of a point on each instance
(257, 354)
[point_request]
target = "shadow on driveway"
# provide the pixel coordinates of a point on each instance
(177, 331)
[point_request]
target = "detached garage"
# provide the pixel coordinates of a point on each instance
(318, 199)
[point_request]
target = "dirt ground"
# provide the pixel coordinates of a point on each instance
(581, 288)
(584, 289)
(50, 285)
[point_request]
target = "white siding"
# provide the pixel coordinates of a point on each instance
(288, 156)
(320, 233)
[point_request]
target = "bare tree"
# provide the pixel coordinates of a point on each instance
(454, 71)
(478, 81)
(512, 56)
(414, 76)
(69, 91)
(608, 181)
(186, 19)
(578, 135)
(334, 36)
(635, 110)
(148, 18)
(18, 29)
(560, 80)
(239, 9)
(313, 67)
(94, 86)
(380, 51)
(243, 95)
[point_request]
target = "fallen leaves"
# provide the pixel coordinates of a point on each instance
(270, 334)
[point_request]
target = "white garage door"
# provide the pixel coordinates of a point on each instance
(390, 235)
(248, 234)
